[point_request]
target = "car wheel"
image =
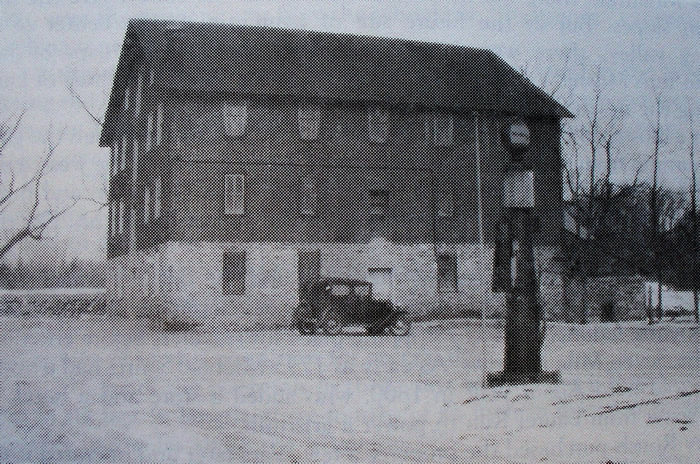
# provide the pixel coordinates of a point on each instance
(306, 327)
(332, 324)
(374, 332)
(401, 326)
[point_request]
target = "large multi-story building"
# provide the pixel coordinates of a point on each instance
(248, 160)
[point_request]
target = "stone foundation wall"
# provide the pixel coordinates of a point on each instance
(186, 280)
(586, 299)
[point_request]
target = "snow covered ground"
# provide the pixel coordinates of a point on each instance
(99, 389)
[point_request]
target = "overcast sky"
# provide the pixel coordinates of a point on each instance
(641, 47)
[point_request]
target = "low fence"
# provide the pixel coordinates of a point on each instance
(52, 301)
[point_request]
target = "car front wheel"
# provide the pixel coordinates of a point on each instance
(306, 327)
(401, 326)
(332, 325)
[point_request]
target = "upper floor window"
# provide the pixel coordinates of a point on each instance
(308, 198)
(234, 194)
(309, 121)
(159, 124)
(440, 128)
(126, 98)
(378, 201)
(138, 93)
(122, 161)
(146, 203)
(157, 197)
(378, 124)
(114, 161)
(149, 131)
(235, 116)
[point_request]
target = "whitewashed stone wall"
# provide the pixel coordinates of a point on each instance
(190, 276)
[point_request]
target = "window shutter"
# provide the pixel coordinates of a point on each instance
(309, 121)
(159, 124)
(234, 194)
(235, 116)
(156, 197)
(137, 94)
(149, 131)
(126, 98)
(122, 164)
(113, 156)
(146, 203)
(378, 125)
(233, 281)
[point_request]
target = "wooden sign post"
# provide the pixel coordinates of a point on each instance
(522, 361)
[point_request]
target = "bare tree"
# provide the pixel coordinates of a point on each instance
(654, 208)
(693, 218)
(40, 214)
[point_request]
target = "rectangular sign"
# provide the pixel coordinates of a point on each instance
(519, 189)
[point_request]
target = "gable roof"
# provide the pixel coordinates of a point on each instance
(257, 60)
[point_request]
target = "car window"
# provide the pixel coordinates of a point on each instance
(362, 290)
(340, 290)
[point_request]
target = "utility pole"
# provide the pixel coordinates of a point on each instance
(522, 360)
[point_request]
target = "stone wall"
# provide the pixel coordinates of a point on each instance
(608, 299)
(186, 280)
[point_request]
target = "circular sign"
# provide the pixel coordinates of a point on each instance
(516, 136)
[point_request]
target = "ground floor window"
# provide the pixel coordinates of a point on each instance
(234, 273)
(447, 274)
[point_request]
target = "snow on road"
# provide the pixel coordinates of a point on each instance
(97, 389)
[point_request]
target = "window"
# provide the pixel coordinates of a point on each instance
(146, 203)
(156, 197)
(114, 153)
(378, 200)
(158, 137)
(151, 77)
(234, 194)
(135, 156)
(137, 94)
(439, 129)
(445, 203)
(126, 98)
(121, 216)
(309, 121)
(111, 220)
(447, 274)
(308, 198)
(233, 273)
(149, 131)
(378, 125)
(235, 116)
(122, 163)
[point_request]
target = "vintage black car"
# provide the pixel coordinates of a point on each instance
(333, 303)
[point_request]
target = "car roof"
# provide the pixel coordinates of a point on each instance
(341, 280)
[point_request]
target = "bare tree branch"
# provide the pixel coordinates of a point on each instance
(75, 95)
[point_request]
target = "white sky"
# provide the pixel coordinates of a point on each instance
(640, 46)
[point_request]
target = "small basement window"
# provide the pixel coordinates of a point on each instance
(378, 124)
(234, 194)
(447, 274)
(233, 277)
(235, 116)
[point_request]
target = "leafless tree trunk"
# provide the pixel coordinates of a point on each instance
(654, 209)
(38, 218)
(694, 219)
